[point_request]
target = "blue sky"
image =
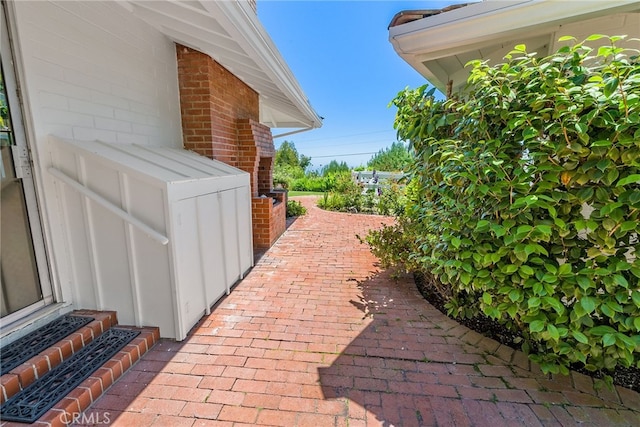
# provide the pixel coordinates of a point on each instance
(340, 53)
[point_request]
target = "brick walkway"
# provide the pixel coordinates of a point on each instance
(317, 336)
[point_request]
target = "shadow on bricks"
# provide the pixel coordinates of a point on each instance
(412, 365)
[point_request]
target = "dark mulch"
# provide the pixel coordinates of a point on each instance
(625, 377)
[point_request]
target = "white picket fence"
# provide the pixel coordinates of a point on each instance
(373, 180)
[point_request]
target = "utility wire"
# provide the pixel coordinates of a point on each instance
(345, 136)
(342, 155)
(348, 143)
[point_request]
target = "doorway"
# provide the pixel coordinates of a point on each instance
(24, 282)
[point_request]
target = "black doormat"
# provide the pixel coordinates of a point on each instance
(28, 346)
(31, 403)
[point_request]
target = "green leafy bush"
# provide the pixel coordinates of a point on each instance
(525, 200)
(295, 208)
(308, 183)
(285, 175)
(391, 201)
(331, 201)
(346, 196)
(341, 182)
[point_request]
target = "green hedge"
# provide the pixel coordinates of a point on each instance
(525, 200)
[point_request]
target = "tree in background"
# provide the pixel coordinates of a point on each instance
(289, 165)
(392, 159)
(334, 167)
(287, 154)
(290, 170)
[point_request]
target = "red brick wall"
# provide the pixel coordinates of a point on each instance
(265, 175)
(269, 221)
(267, 151)
(211, 101)
(220, 120)
(249, 153)
(256, 150)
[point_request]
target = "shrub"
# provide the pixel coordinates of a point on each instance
(331, 201)
(349, 196)
(525, 202)
(340, 181)
(308, 183)
(285, 175)
(347, 201)
(391, 201)
(295, 208)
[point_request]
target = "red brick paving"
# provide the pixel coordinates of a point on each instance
(316, 335)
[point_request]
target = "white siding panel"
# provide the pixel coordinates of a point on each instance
(212, 254)
(82, 280)
(191, 300)
(200, 207)
(112, 266)
(230, 230)
(147, 203)
(129, 138)
(90, 70)
(157, 309)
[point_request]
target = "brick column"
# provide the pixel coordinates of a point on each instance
(257, 152)
(220, 120)
(211, 100)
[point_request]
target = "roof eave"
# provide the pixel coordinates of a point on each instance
(231, 33)
(264, 52)
(446, 34)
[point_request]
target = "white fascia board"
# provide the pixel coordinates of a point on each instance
(243, 25)
(490, 20)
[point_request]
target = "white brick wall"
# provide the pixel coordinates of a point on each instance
(94, 71)
(89, 70)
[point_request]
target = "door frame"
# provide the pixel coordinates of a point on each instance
(23, 164)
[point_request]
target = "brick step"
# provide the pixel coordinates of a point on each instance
(25, 374)
(77, 401)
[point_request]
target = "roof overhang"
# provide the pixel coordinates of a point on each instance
(438, 45)
(231, 33)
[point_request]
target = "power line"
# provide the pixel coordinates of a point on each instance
(345, 136)
(343, 155)
(378, 141)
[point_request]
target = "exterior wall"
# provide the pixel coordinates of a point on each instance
(93, 71)
(220, 117)
(269, 219)
(257, 153)
(89, 70)
(256, 146)
(265, 174)
(211, 100)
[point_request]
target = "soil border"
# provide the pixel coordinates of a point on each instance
(624, 377)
